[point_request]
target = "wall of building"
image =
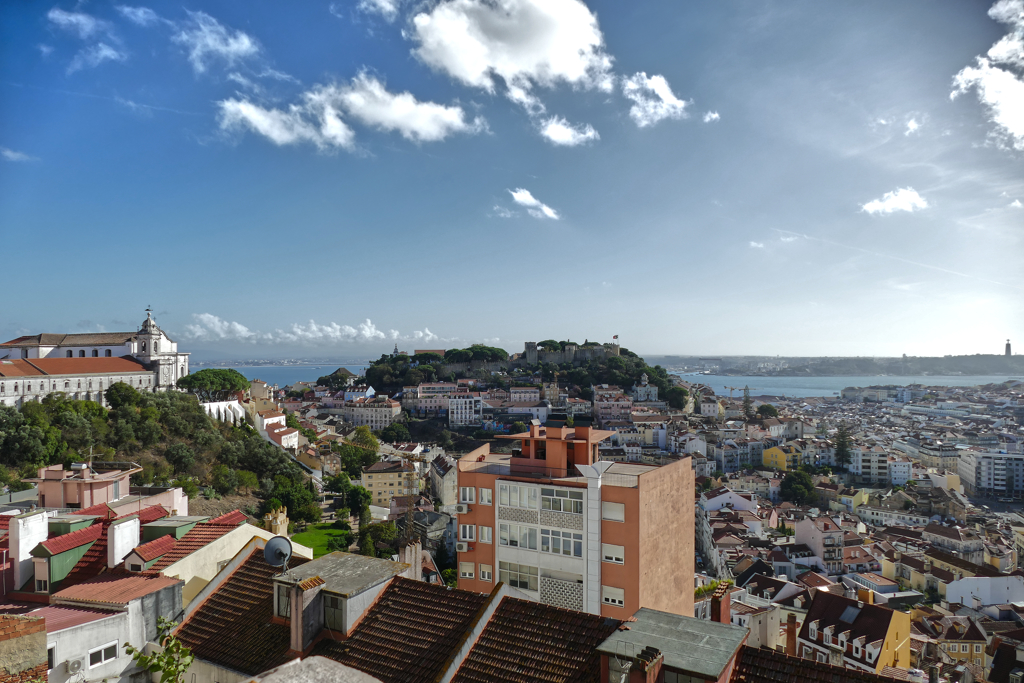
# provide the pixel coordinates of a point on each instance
(22, 648)
(76, 641)
(666, 538)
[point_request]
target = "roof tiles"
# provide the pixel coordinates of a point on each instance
(116, 589)
(155, 548)
(761, 665)
(73, 540)
(199, 537)
(235, 517)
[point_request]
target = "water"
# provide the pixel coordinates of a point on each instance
(284, 375)
(831, 386)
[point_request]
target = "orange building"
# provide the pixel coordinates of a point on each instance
(571, 531)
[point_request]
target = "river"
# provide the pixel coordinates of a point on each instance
(830, 386)
(284, 375)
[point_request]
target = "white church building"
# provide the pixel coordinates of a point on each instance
(83, 366)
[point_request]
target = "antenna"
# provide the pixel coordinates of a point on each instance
(277, 552)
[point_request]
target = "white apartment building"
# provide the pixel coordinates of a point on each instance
(824, 537)
(871, 464)
(882, 517)
(986, 473)
(523, 394)
(465, 410)
(377, 412)
(900, 470)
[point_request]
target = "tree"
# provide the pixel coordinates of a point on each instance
(214, 384)
(120, 394)
(224, 479)
(449, 577)
(180, 456)
(364, 438)
(518, 428)
(359, 500)
(247, 481)
(396, 432)
(187, 486)
(843, 451)
(748, 404)
(677, 397)
(767, 410)
(172, 662)
(798, 488)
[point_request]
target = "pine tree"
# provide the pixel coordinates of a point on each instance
(843, 454)
(748, 404)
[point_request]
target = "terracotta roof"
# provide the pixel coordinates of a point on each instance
(72, 366)
(18, 367)
(93, 562)
(155, 548)
(78, 339)
(150, 514)
(235, 517)
(844, 614)
(409, 633)
(75, 539)
(198, 537)
(311, 582)
(100, 510)
(232, 627)
(526, 642)
(5, 521)
(116, 589)
(59, 617)
(761, 665)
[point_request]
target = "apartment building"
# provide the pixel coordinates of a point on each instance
(390, 478)
(611, 404)
(844, 632)
(376, 413)
(524, 394)
(465, 410)
(571, 531)
(429, 398)
(957, 541)
(784, 458)
(824, 536)
(871, 465)
(988, 473)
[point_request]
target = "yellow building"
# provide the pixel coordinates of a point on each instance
(784, 458)
(385, 480)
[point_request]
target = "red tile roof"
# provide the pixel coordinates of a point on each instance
(409, 633)
(18, 368)
(73, 540)
(116, 589)
(150, 514)
(5, 521)
(93, 562)
(88, 366)
(761, 665)
(155, 548)
(232, 627)
(100, 510)
(527, 642)
(59, 617)
(234, 517)
(200, 536)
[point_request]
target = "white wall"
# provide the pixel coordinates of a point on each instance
(26, 532)
(122, 537)
(75, 643)
(991, 590)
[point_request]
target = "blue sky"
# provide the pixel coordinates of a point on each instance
(327, 178)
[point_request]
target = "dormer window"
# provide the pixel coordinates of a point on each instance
(813, 630)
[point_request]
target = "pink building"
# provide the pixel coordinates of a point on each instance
(84, 485)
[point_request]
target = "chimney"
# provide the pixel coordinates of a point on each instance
(720, 605)
(791, 635)
(26, 532)
(122, 537)
(933, 674)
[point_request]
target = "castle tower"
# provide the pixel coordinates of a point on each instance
(1008, 348)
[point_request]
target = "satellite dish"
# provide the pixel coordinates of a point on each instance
(278, 551)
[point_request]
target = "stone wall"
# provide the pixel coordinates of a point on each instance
(22, 648)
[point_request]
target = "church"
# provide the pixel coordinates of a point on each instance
(83, 366)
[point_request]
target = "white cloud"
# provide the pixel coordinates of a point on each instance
(45, 50)
(653, 99)
(994, 80)
(501, 212)
(560, 132)
(143, 16)
(1016, 204)
(534, 207)
(209, 327)
(206, 39)
(901, 199)
(388, 9)
(757, 245)
(85, 26)
(368, 101)
(788, 238)
(315, 121)
(11, 155)
(525, 43)
(912, 127)
(94, 55)
(711, 116)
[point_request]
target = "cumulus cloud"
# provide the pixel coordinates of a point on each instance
(209, 327)
(83, 25)
(533, 207)
(711, 116)
(524, 43)
(387, 9)
(1016, 204)
(757, 245)
(11, 155)
(912, 127)
(206, 40)
(901, 199)
(318, 117)
(94, 55)
(367, 101)
(560, 132)
(143, 16)
(996, 78)
(653, 99)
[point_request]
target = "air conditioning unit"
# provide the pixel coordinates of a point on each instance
(74, 666)
(461, 509)
(462, 547)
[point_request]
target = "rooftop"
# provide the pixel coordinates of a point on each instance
(116, 589)
(346, 574)
(700, 648)
(198, 537)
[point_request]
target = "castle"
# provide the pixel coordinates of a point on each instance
(573, 354)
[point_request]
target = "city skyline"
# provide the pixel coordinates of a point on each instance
(702, 179)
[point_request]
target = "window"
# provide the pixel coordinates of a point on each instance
(856, 650)
(612, 553)
(485, 535)
(813, 631)
(42, 585)
(51, 656)
(95, 353)
(517, 496)
(561, 542)
(821, 657)
(516, 536)
(284, 606)
(485, 496)
(334, 612)
(467, 494)
(977, 660)
(81, 354)
(467, 532)
(964, 648)
(466, 570)
(559, 500)
(70, 354)
(518, 575)
(486, 574)
(103, 654)
(107, 353)
(135, 567)
(613, 596)
(977, 649)
(613, 512)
